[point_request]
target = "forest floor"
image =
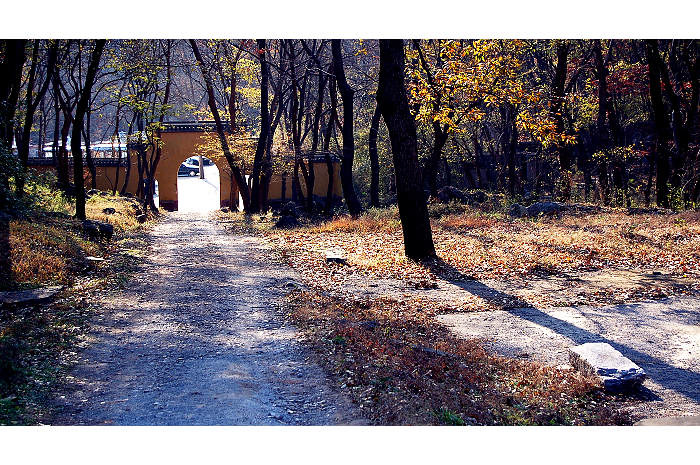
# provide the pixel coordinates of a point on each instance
(521, 291)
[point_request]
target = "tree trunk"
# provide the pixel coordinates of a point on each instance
(509, 145)
(602, 128)
(558, 98)
(62, 166)
(10, 83)
(119, 147)
(56, 130)
(661, 126)
(347, 94)
(256, 197)
(267, 162)
(478, 160)
(78, 121)
(88, 152)
(374, 158)
(431, 168)
(152, 164)
(315, 130)
(33, 99)
(332, 123)
(127, 171)
(440, 133)
(447, 177)
(393, 104)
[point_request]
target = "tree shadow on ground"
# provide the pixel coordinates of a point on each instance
(685, 382)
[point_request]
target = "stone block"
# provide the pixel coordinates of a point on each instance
(616, 372)
(687, 420)
(29, 297)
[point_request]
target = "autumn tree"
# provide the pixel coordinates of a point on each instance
(393, 104)
(211, 100)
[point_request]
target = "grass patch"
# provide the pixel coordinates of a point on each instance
(47, 251)
(48, 247)
(373, 220)
(126, 211)
(447, 417)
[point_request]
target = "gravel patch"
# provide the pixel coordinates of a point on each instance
(199, 337)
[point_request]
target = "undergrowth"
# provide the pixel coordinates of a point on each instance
(47, 246)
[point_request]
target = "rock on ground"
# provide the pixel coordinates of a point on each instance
(616, 372)
(29, 297)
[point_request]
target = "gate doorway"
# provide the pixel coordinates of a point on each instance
(194, 193)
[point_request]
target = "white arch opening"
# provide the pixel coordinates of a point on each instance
(195, 194)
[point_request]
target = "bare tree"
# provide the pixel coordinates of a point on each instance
(346, 93)
(33, 98)
(78, 122)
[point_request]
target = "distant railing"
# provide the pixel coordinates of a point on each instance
(51, 161)
(193, 126)
(317, 157)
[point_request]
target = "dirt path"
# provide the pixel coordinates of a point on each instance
(662, 337)
(198, 338)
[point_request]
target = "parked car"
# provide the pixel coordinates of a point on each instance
(195, 161)
(192, 163)
(188, 169)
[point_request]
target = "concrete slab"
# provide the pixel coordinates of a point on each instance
(333, 256)
(688, 420)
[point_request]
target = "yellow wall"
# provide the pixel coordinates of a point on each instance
(320, 183)
(178, 146)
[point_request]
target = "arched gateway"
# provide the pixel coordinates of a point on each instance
(180, 141)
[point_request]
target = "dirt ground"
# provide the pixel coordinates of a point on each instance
(198, 337)
(663, 336)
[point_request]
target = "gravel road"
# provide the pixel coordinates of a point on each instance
(198, 337)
